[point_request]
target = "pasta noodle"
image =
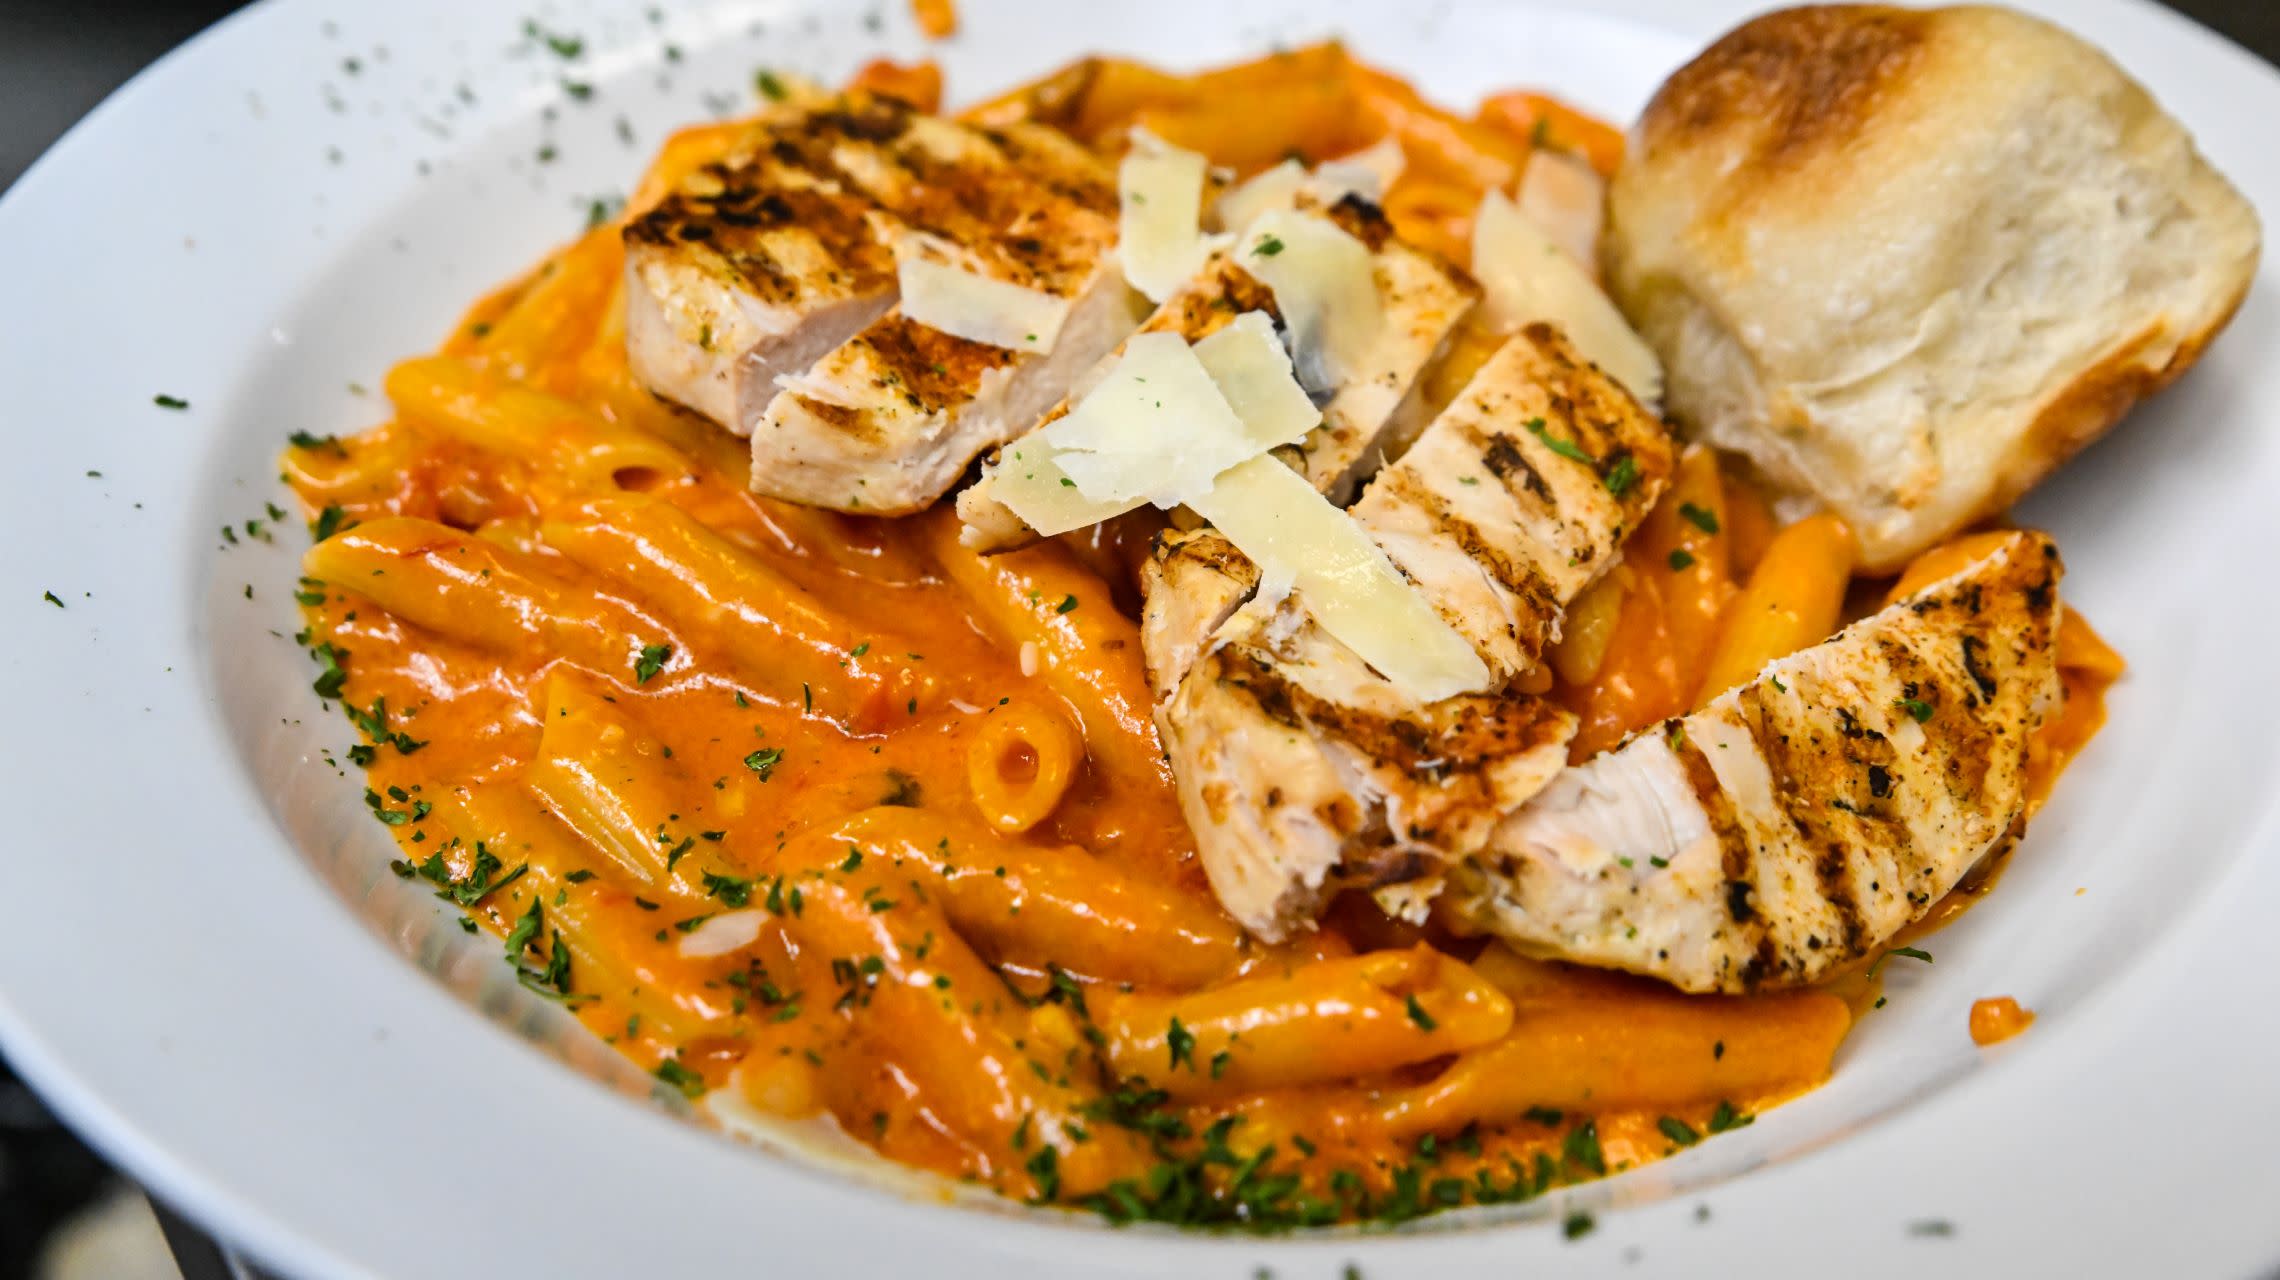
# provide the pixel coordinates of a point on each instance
(1021, 764)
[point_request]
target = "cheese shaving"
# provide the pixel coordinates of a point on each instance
(1275, 188)
(1526, 277)
(1325, 286)
(1345, 581)
(1160, 218)
(942, 294)
(1163, 421)
(1368, 173)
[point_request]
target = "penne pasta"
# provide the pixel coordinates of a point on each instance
(609, 961)
(790, 648)
(478, 592)
(1793, 599)
(1590, 1041)
(497, 416)
(1020, 764)
(1034, 599)
(1040, 905)
(1319, 1022)
(608, 782)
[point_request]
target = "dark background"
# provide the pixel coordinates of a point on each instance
(57, 60)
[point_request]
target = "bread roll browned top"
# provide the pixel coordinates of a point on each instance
(1910, 260)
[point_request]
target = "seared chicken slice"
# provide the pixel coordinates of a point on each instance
(747, 272)
(1301, 769)
(1519, 495)
(1798, 822)
(889, 420)
(1423, 300)
(1190, 585)
(760, 294)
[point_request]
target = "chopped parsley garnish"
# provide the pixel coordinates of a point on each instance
(1912, 953)
(652, 660)
(1681, 559)
(1565, 448)
(1678, 1131)
(1067, 603)
(308, 440)
(769, 85)
(1702, 518)
(1181, 1042)
(1622, 475)
(526, 930)
(327, 523)
(688, 1082)
(1577, 1225)
(1918, 710)
(1268, 246)
(764, 761)
(732, 890)
(1581, 1148)
(170, 402)
(1727, 1117)
(50, 597)
(1418, 1015)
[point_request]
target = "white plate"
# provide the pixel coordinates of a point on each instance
(203, 966)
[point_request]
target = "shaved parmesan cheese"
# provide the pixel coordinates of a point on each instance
(1325, 286)
(1567, 200)
(1163, 421)
(1247, 363)
(1345, 580)
(729, 931)
(1368, 173)
(1159, 225)
(1527, 278)
(1275, 188)
(1148, 430)
(940, 294)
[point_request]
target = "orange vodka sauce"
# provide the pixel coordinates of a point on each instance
(1998, 1018)
(836, 815)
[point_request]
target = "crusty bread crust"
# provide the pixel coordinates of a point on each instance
(1908, 261)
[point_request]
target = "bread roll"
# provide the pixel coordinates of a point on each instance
(1909, 260)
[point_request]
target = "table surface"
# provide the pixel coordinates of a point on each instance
(58, 58)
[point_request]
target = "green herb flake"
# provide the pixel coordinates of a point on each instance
(1565, 448)
(690, 1084)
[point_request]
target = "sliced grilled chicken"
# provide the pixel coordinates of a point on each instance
(749, 271)
(1519, 495)
(1302, 771)
(890, 419)
(1190, 585)
(762, 294)
(1300, 768)
(1423, 298)
(1799, 821)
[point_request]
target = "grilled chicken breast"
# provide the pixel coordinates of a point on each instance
(1423, 298)
(1190, 585)
(1797, 822)
(1301, 769)
(762, 293)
